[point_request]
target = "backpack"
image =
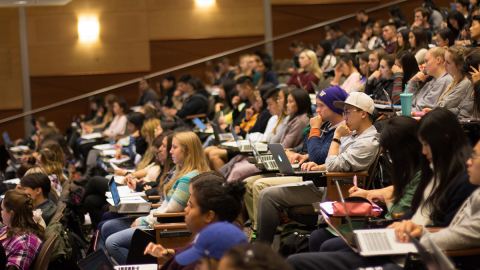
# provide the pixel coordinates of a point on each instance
(67, 250)
(295, 243)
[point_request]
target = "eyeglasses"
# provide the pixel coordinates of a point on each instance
(473, 156)
(346, 113)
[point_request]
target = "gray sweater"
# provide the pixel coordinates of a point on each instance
(293, 133)
(453, 98)
(464, 230)
(465, 108)
(428, 95)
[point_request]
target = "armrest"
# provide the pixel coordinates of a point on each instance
(156, 205)
(462, 252)
(154, 198)
(346, 174)
(434, 229)
(167, 215)
(397, 216)
(171, 226)
(201, 115)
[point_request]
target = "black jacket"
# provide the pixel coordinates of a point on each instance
(148, 95)
(260, 124)
(194, 104)
(167, 100)
(375, 89)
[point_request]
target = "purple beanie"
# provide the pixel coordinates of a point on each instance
(331, 94)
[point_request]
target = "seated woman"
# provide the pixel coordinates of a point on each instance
(195, 103)
(94, 198)
(264, 71)
(405, 173)
(308, 73)
(426, 93)
(211, 200)
(402, 41)
(46, 159)
(134, 126)
(187, 154)
(374, 59)
(364, 72)
(405, 68)
(460, 88)
(354, 40)
(325, 56)
(419, 44)
(445, 38)
(381, 79)
(444, 185)
(257, 116)
(38, 186)
(21, 237)
(346, 66)
(223, 108)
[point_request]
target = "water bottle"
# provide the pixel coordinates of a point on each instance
(112, 139)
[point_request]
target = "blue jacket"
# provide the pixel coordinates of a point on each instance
(318, 146)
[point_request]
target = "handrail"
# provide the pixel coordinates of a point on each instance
(199, 61)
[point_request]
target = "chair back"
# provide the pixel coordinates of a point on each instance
(43, 258)
(58, 214)
(373, 167)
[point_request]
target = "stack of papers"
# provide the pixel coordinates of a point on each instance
(125, 191)
(15, 181)
(118, 161)
(105, 146)
(19, 148)
(92, 136)
(118, 179)
(136, 199)
(109, 152)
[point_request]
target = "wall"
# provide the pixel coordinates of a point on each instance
(169, 48)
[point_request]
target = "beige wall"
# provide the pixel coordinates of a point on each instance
(315, 2)
(10, 69)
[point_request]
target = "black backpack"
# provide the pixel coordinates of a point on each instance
(295, 243)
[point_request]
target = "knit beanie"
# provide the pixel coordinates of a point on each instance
(329, 95)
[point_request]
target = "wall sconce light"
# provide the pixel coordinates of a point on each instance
(88, 29)
(205, 3)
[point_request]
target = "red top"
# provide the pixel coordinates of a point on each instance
(305, 78)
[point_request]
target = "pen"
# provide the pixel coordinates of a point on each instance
(355, 182)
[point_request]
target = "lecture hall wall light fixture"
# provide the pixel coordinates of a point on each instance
(205, 3)
(88, 29)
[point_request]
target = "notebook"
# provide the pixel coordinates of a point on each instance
(127, 208)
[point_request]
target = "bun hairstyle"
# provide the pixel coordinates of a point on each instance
(255, 257)
(22, 217)
(213, 193)
(22, 170)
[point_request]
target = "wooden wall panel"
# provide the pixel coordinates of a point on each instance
(173, 19)
(318, 2)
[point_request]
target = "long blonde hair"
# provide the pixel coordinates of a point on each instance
(50, 164)
(314, 67)
(193, 157)
(248, 71)
(456, 51)
(148, 130)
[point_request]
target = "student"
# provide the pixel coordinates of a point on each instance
(187, 154)
(46, 159)
(445, 38)
(299, 109)
(363, 18)
(463, 6)
(179, 94)
(37, 185)
(134, 125)
(169, 86)
(355, 40)
(296, 47)
(390, 35)
(455, 22)
(309, 71)
(212, 200)
(377, 41)
(339, 40)
(317, 145)
(428, 95)
(264, 68)
(210, 245)
(256, 117)
(119, 122)
(347, 153)
(472, 73)
(368, 37)
(364, 70)
(436, 18)
(226, 93)
(396, 11)
(346, 66)
(459, 89)
(422, 16)
(419, 44)
(243, 68)
(374, 59)
(475, 31)
(147, 94)
(404, 163)
(195, 103)
(252, 256)
(402, 41)
(405, 68)
(381, 79)
(442, 190)
(324, 52)
(21, 237)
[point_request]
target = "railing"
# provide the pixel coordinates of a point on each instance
(199, 61)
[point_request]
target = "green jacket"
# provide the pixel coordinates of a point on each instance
(406, 201)
(62, 248)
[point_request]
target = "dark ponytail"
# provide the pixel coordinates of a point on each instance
(213, 193)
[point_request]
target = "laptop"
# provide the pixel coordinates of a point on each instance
(372, 242)
(267, 160)
(6, 138)
(127, 208)
(245, 146)
(391, 104)
(283, 163)
(200, 124)
(13, 158)
(435, 261)
(99, 260)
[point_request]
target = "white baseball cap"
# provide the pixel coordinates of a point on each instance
(359, 100)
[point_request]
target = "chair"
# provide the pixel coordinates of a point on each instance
(172, 235)
(58, 214)
(305, 214)
(43, 258)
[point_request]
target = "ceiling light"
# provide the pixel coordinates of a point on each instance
(20, 2)
(88, 29)
(205, 3)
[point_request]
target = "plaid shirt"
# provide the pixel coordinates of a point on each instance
(21, 249)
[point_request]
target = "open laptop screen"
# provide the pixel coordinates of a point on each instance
(96, 260)
(114, 190)
(199, 124)
(6, 138)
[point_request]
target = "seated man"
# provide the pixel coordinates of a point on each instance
(37, 185)
(316, 145)
(354, 147)
(147, 93)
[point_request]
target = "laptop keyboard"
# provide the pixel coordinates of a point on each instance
(226, 136)
(377, 241)
(267, 158)
(131, 207)
(270, 165)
